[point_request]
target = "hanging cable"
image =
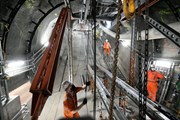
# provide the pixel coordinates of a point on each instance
(94, 21)
(114, 71)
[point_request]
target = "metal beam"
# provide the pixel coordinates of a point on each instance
(167, 31)
(43, 82)
(100, 18)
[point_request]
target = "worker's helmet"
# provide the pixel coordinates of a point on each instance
(65, 84)
(106, 40)
(152, 67)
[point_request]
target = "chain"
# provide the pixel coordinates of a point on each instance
(146, 59)
(140, 67)
(143, 79)
(114, 71)
(140, 79)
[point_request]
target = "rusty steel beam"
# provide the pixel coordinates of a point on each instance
(42, 85)
(151, 2)
(38, 101)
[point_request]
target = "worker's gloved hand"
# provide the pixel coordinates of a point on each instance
(88, 83)
(85, 101)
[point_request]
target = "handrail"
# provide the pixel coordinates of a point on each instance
(30, 63)
(39, 51)
(21, 113)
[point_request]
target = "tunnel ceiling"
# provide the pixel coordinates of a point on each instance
(27, 16)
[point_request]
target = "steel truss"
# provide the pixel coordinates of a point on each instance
(167, 31)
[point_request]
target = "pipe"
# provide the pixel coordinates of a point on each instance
(20, 113)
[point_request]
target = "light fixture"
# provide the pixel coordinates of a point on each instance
(161, 63)
(46, 44)
(13, 68)
(15, 63)
(46, 35)
(44, 38)
(108, 24)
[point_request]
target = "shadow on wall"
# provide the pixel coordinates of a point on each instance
(81, 118)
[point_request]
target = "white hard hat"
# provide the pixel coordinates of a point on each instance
(65, 84)
(152, 67)
(106, 40)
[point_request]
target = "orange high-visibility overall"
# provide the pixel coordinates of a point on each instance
(107, 47)
(152, 85)
(70, 104)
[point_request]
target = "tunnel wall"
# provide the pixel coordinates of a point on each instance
(20, 32)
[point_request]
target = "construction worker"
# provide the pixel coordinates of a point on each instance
(152, 84)
(107, 47)
(177, 90)
(71, 107)
(97, 34)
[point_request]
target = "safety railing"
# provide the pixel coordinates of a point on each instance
(29, 64)
(22, 113)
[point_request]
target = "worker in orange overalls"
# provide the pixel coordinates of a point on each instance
(107, 47)
(71, 107)
(152, 84)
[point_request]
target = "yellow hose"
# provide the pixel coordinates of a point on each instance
(128, 8)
